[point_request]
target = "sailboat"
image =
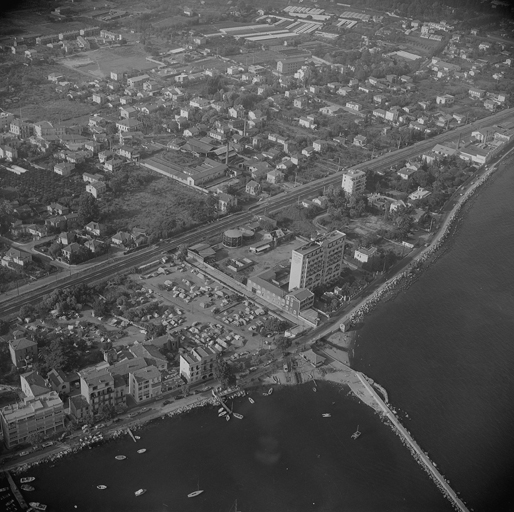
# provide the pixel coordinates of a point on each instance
(357, 433)
(195, 493)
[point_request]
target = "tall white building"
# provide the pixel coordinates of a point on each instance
(354, 182)
(198, 365)
(318, 262)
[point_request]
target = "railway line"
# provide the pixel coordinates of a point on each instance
(10, 306)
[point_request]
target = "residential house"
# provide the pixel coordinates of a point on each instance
(15, 258)
(353, 105)
(128, 112)
(95, 228)
(445, 99)
(22, 351)
(122, 238)
(96, 189)
(128, 125)
(275, 177)
(70, 252)
(198, 365)
(308, 122)
(113, 164)
(360, 141)
(418, 194)
(476, 93)
(64, 168)
(226, 202)
(253, 188)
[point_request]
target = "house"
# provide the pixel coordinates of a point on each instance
(64, 168)
(129, 153)
(22, 350)
(113, 164)
(319, 145)
(128, 125)
(259, 169)
(357, 107)
(122, 238)
(330, 110)
(226, 202)
(476, 93)
(15, 257)
(128, 112)
(253, 188)
(71, 251)
(491, 105)
(198, 365)
(313, 358)
(365, 255)
(308, 122)
(95, 228)
(420, 193)
(96, 189)
(66, 238)
(406, 173)
(360, 141)
(275, 177)
(484, 135)
(57, 209)
(445, 99)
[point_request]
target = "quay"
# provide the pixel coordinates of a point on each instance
(415, 449)
(131, 435)
(17, 494)
(221, 402)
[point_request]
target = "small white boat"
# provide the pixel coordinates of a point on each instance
(37, 505)
(101, 487)
(27, 479)
(143, 450)
(120, 457)
(221, 409)
(270, 391)
(327, 415)
(238, 416)
(227, 417)
(137, 437)
(252, 401)
(194, 493)
(140, 492)
(27, 488)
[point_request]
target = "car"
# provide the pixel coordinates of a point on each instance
(22, 454)
(166, 402)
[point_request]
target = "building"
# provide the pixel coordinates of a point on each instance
(318, 262)
(354, 182)
(291, 60)
(34, 417)
(14, 257)
(22, 350)
(233, 238)
(365, 255)
(226, 201)
(299, 300)
(253, 188)
(198, 365)
(445, 99)
(64, 168)
(96, 189)
(145, 383)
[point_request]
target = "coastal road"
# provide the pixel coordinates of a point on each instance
(11, 303)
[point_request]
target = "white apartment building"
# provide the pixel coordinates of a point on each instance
(318, 262)
(354, 182)
(145, 383)
(198, 365)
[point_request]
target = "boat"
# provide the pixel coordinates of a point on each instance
(270, 391)
(326, 415)
(140, 492)
(120, 457)
(37, 505)
(221, 409)
(101, 487)
(27, 479)
(4, 489)
(357, 433)
(143, 450)
(137, 437)
(238, 416)
(252, 401)
(227, 417)
(27, 488)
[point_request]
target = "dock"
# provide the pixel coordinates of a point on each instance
(17, 494)
(415, 449)
(221, 402)
(131, 435)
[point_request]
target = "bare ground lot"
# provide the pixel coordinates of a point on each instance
(57, 110)
(105, 60)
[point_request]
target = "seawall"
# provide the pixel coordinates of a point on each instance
(415, 449)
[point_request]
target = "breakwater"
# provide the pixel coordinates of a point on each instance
(420, 456)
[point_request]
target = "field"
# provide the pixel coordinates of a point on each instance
(57, 110)
(151, 204)
(105, 60)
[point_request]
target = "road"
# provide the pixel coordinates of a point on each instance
(10, 305)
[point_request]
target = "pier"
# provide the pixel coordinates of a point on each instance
(415, 449)
(221, 402)
(131, 435)
(17, 494)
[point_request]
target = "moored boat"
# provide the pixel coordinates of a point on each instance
(270, 391)
(101, 487)
(357, 433)
(140, 492)
(27, 488)
(143, 450)
(27, 479)
(252, 401)
(37, 505)
(221, 409)
(326, 415)
(4, 489)
(238, 416)
(227, 417)
(120, 457)
(194, 493)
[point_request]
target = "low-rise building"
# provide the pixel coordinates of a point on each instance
(145, 383)
(22, 351)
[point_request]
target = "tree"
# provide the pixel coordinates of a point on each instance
(88, 208)
(99, 307)
(283, 343)
(27, 311)
(224, 372)
(4, 327)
